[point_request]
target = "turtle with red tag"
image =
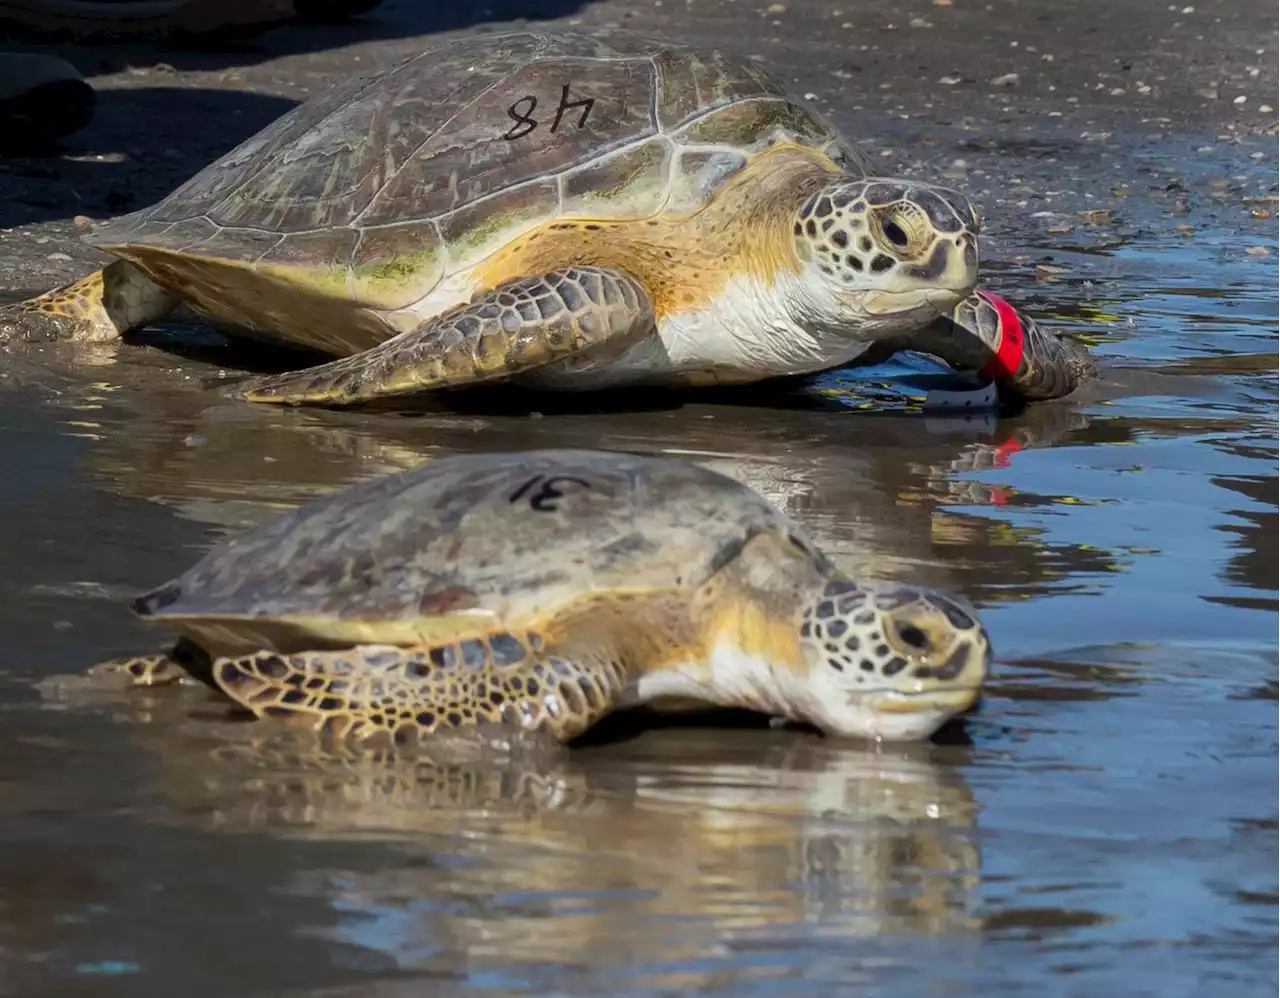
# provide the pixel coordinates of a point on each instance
(560, 211)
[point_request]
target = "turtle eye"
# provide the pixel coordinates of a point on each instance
(799, 544)
(913, 637)
(893, 232)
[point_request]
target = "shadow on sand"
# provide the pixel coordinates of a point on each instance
(146, 140)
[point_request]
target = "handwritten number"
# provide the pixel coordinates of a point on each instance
(586, 104)
(515, 496)
(524, 120)
(521, 112)
(543, 501)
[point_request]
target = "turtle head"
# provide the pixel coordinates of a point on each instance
(883, 256)
(889, 661)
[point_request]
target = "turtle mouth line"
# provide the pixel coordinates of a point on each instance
(907, 701)
(899, 302)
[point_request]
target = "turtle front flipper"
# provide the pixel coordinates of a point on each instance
(405, 694)
(985, 333)
(96, 309)
(516, 327)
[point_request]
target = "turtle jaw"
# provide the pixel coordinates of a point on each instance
(876, 303)
(886, 313)
(892, 716)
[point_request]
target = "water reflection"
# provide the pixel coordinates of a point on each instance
(888, 852)
(873, 487)
(683, 849)
(1256, 528)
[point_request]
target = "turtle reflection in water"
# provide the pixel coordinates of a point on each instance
(545, 589)
(563, 211)
(775, 830)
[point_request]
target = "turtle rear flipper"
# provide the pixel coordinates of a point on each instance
(516, 327)
(95, 309)
(406, 693)
(141, 670)
(185, 660)
(111, 678)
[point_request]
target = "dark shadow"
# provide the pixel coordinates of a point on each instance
(628, 725)
(141, 145)
(883, 389)
(144, 141)
(391, 19)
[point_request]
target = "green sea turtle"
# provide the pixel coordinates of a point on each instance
(546, 589)
(567, 211)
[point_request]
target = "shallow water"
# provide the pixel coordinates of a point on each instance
(1105, 822)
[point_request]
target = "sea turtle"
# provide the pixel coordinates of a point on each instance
(569, 211)
(546, 589)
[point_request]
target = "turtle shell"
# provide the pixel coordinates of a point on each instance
(379, 189)
(464, 543)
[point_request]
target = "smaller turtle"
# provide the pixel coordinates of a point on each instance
(546, 589)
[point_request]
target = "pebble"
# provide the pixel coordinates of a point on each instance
(776, 8)
(82, 221)
(195, 440)
(1096, 216)
(1240, 100)
(1008, 80)
(57, 256)
(1265, 108)
(1258, 251)
(1046, 273)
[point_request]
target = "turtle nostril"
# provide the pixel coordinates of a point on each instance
(913, 637)
(895, 234)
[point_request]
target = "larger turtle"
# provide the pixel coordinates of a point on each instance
(546, 589)
(564, 210)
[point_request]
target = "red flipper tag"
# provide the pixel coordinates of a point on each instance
(1005, 363)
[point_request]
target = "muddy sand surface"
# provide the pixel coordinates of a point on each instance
(1104, 823)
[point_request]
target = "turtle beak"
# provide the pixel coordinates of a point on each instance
(897, 303)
